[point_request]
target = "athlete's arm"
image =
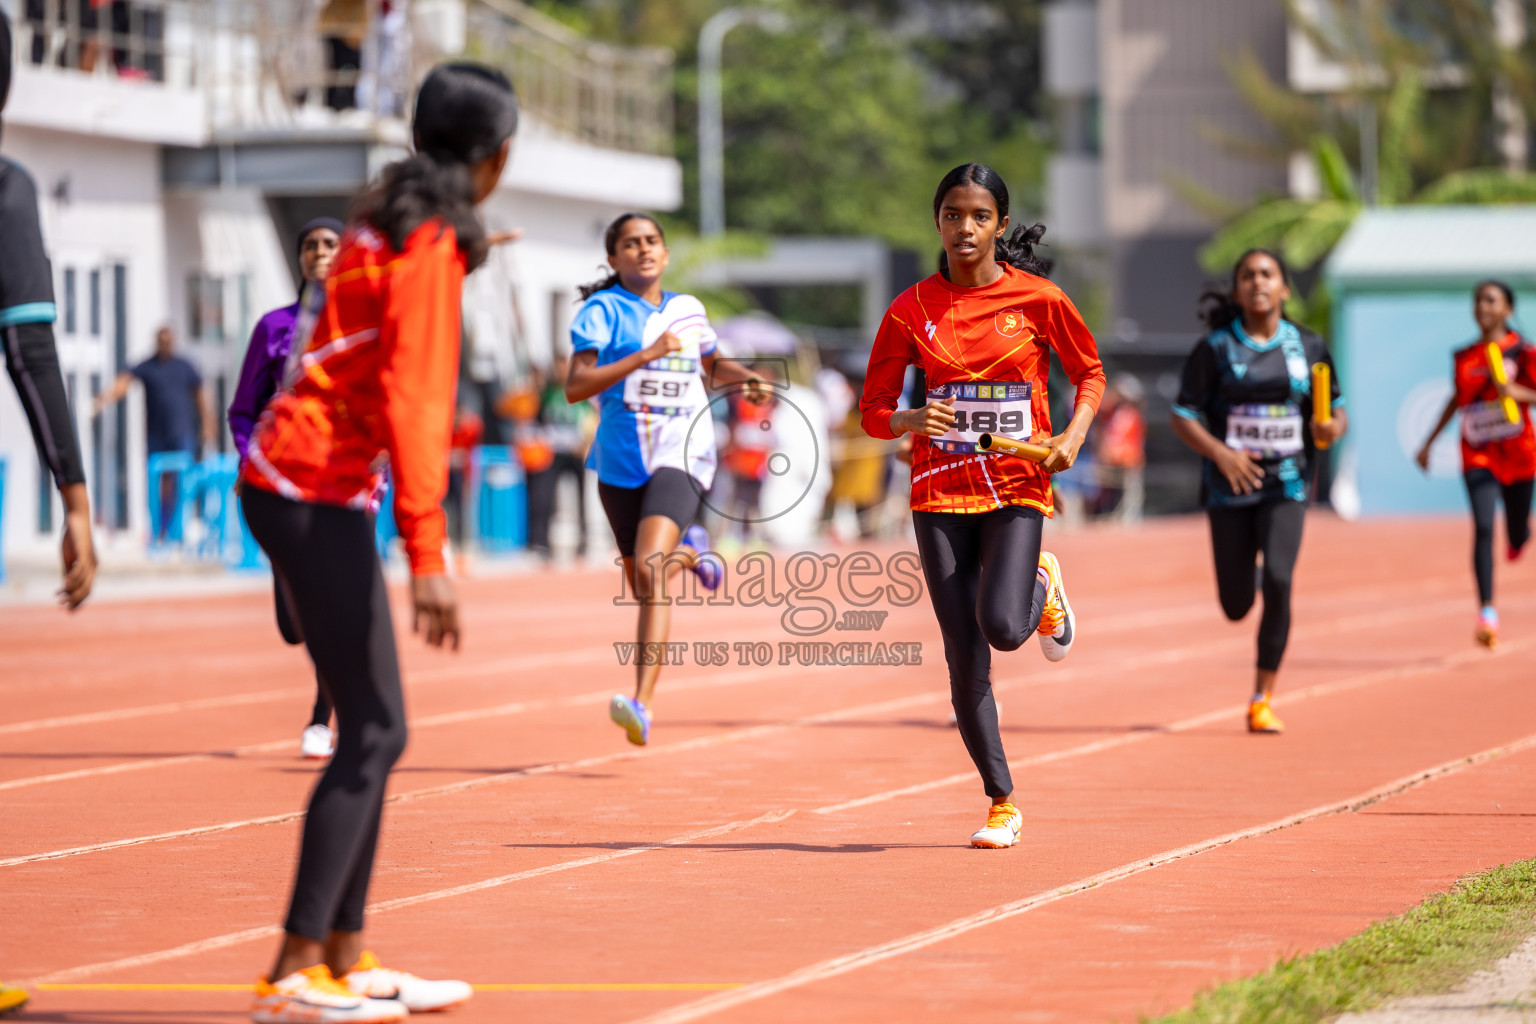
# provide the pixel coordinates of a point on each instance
(116, 393)
(1519, 392)
(1197, 387)
(1079, 355)
(1445, 417)
(1241, 468)
(889, 358)
(32, 360)
(256, 386)
(586, 378)
(419, 337)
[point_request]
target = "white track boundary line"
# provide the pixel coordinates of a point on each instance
(718, 739)
(831, 968)
(1230, 712)
(1119, 622)
(683, 685)
(236, 938)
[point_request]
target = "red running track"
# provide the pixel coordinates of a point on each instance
(793, 843)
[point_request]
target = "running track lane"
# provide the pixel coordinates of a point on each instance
(1389, 698)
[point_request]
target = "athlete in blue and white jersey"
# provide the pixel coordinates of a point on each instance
(645, 353)
(1246, 405)
(648, 418)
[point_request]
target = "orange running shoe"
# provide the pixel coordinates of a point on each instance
(312, 996)
(11, 998)
(1004, 823)
(1262, 719)
(1058, 626)
(1487, 632)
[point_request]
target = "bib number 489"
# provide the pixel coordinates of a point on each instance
(987, 421)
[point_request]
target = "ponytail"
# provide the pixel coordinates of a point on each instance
(611, 245)
(464, 113)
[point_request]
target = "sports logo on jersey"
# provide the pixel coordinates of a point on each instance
(931, 328)
(1011, 322)
(1238, 369)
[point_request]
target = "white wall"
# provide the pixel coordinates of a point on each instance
(101, 206)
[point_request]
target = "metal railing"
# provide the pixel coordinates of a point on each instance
(272, 64)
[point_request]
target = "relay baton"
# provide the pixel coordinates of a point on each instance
(1322, 398)
(1008, 446)
(1496, 367)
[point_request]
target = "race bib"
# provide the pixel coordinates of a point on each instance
(666, 387)
(1268, 431)
(984, 409)
(1484, 423)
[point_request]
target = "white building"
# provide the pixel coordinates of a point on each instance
(177, 144)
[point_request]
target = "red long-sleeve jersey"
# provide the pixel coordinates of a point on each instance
(374, 385)
(1488, 440)
(988, 348)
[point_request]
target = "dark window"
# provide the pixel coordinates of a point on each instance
(69, 300)
(95, 310)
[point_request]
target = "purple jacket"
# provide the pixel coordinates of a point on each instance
(261, 372)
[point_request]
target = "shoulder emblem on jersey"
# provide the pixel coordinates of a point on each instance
(1011, 322)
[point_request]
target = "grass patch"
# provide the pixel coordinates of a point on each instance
(1430, 949)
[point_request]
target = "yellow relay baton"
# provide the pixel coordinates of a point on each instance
(1496, 367)
(1322, 398)
(1009, 446)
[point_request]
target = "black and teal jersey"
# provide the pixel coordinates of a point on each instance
(1257, 396)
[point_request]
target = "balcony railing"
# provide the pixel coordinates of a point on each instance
(282, 64)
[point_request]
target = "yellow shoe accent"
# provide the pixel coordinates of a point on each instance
(1262, 719)
(12, 998)
(1055, 608)
(1487, 634)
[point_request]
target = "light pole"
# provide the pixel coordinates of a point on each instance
(711, 128)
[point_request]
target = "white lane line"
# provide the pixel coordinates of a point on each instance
(717, 739)
(235, 938)
(1115, 623)
(699, 743)
(831, 968)
(1229, 713)
(172, 707)
(428, 721)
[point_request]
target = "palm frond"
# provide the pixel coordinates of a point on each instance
(1261, 227)
(1404, 117)
(1333, 169)
(1314, 235)
(1479, 185)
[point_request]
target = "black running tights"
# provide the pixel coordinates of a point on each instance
(288, 626)
(1484, 489)
(981, 570)
(1238, 535)
(326, 559)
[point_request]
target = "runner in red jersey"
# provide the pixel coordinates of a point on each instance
(1498, 455)
(980, 330)
(373, 383)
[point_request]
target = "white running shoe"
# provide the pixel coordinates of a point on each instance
(1058, 626)
(371, 978)
(1004, 823)
(316, 743)
(312, 996)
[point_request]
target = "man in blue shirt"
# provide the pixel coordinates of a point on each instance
(176, 409)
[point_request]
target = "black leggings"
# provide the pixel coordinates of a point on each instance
(288, 626)
(982, 574)
(1485, 490)
(326, 560)
(1237, 537)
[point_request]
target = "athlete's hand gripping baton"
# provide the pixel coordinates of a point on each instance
(1008, 446)
(1322, 398)
(1496, 367)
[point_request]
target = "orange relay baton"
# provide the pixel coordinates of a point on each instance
(1496, 367)
(1322, 398)
(1008, 446)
